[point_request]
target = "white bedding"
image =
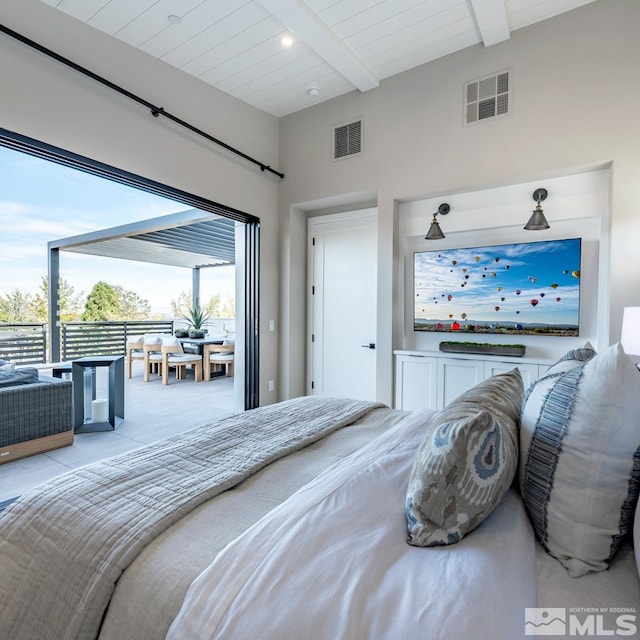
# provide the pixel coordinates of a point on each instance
(602, 596)
(150, 592)
(332, 563)
(64, 545)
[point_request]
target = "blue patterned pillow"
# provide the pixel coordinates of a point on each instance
(466, 462)
(580, 456)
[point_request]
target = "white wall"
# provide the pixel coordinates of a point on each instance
(43, 99)
(575, 108)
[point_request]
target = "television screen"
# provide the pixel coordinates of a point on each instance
(530, 288)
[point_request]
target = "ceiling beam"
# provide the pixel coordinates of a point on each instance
(315, 34)
(491, 17)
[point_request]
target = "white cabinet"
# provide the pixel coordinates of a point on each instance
(416, 385)
(530, 371)
(455, 376)
(429, 380)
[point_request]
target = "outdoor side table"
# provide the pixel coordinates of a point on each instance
(84, 393)
(61, 370)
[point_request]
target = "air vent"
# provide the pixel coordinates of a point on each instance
(487, 98)
(347, 140)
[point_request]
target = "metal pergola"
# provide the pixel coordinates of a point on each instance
(192, 239)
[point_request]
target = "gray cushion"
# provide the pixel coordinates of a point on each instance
(466, 462)
(14, 377)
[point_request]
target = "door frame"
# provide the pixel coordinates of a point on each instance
(312, 221)
(251, 301)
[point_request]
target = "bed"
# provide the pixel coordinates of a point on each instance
(305, 537)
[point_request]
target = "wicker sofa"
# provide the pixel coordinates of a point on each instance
(35, 413)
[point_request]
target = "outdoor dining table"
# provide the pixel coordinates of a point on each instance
(200, 342)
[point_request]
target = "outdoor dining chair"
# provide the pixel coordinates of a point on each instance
(135, 351)
(216, 357)
(174, 356)
(152, 350)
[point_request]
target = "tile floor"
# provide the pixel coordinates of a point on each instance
(152, 411)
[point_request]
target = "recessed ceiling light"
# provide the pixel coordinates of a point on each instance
(314, 92)
(286, 41)
(173, 19)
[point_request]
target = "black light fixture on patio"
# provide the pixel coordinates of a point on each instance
(537, 221)
(435, 232)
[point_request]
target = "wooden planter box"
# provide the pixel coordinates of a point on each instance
(486, 349)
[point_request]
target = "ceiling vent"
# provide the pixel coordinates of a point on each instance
(487, 98)
(347, 140)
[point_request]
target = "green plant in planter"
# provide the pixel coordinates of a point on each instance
(197, 318)
(483, 347)
(484, 344)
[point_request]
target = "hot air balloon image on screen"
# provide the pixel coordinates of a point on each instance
(528, 288)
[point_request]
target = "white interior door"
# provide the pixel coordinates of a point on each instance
(342, 271)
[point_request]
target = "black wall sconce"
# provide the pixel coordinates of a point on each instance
(537, 221)
(435, 232)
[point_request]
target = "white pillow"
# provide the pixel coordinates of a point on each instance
(170, 341)
(153, 338)
(7, 366)
(580, 456)
(636, 536)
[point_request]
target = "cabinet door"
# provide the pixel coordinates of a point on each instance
(529, 372)
(457, 376)
(416, 382)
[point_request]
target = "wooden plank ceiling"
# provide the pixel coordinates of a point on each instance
(338, 45)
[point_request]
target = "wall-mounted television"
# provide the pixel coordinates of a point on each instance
(526, 288)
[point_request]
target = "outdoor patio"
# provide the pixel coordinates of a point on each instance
(152, 411)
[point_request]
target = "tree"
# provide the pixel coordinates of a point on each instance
(215, 307)
(182, 305)
(107, 302)
(212, 307)
(101, 304)
(228, 308)
(131, 306)
(16, 307)
(69, 302)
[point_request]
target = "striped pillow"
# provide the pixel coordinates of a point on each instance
(466, 462)
(580, 456)
(636, 536)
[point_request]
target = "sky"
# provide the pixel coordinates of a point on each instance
(526, 282)
(42, 201)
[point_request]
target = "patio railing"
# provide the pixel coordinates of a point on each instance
(23, 343)
(105, 338)
(26, 343)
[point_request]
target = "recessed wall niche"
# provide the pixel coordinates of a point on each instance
(577, 206)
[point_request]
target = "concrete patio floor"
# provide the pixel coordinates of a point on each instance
(152, 411)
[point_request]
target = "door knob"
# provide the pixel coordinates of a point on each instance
(371, 345)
